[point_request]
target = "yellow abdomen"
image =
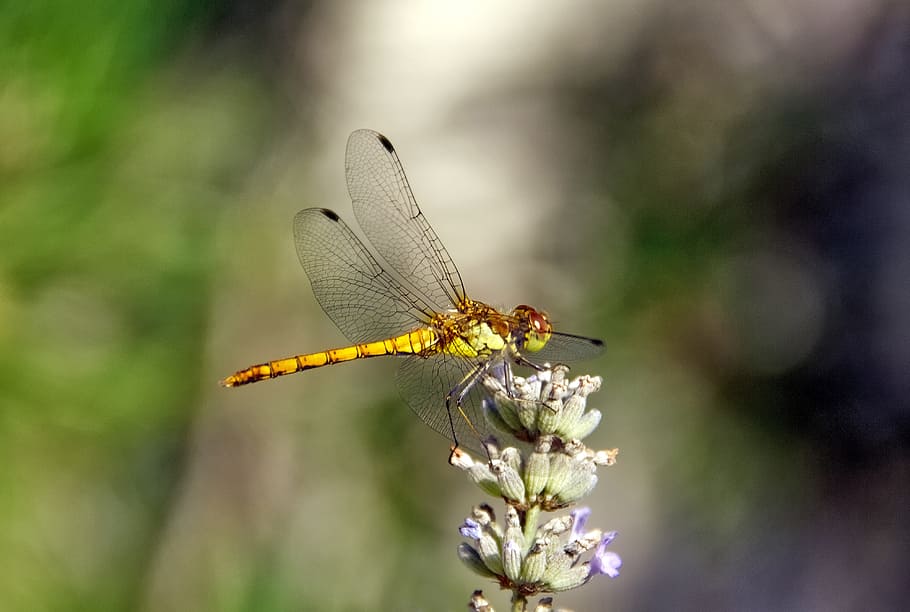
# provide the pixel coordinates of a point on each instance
(421, 341)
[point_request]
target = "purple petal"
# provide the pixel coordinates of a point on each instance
(471, 529)
(604, 561)
(579, 518)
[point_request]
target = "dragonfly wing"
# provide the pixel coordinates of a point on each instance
(562, 348)
(363, 300)
(388, 213)
(425, 382)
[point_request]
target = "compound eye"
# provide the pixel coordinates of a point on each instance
(539, 322)
(539, 329)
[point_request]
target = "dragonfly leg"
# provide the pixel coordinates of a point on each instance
(458, 394)
(521, 360)
(507, 379)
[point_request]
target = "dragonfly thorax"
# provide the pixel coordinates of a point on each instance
(477, 330)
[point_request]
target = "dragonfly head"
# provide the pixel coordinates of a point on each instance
(535, 328)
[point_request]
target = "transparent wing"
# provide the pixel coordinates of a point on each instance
(564, 348)
(425, 382)
(363, 300)
(388, 214)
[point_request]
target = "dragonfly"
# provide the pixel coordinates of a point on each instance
(415, 307)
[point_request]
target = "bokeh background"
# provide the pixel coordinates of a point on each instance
(720, 190)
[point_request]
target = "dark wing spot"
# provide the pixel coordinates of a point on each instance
(386, 143)
(331, 214)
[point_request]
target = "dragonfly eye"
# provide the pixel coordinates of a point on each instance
(538, 328)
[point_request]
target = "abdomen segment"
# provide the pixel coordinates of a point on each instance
(421, 341)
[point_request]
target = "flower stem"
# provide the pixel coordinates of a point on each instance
(519, 603)
(530, 526)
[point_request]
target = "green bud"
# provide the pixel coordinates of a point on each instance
(510, 482)
(535, 563)
(484, 478)
(557, 563)
(585, 425)
(471, 558)
(514, 533)
(570, 578)
(538, 469)
(560, 470)
(511, 560)
(548, 416)
(580, 482)
(493, 413)
(488, 548)
(572, 410)
(511, 456)
(527, 414)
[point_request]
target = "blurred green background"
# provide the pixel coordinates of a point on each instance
(719, 190)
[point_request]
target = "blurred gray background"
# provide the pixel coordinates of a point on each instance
(719, 190)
